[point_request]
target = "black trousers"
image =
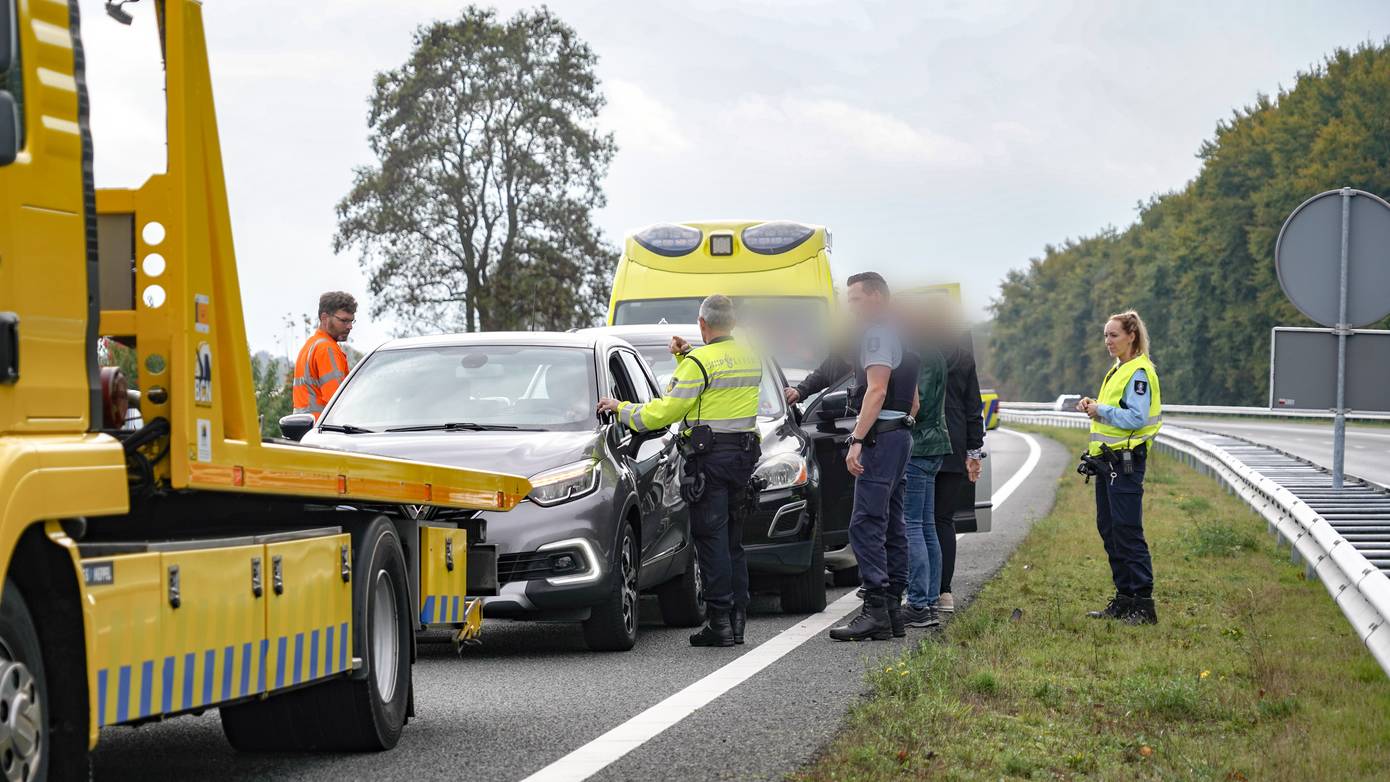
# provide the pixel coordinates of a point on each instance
(717, 532)
(1120, 522)
(949, 488)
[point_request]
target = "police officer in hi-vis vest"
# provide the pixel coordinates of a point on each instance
(714, 393)
(1125, 417)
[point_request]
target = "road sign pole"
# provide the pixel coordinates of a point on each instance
(1339, 421)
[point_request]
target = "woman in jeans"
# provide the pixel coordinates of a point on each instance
(930, 442)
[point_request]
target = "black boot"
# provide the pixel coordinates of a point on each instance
(895, 616)
(1118, 607)
(737, 621)
(717, 630)
(870, 623)
(1141, 612)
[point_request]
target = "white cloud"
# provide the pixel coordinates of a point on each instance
(642, 123)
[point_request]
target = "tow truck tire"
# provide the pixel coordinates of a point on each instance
(348, 715)
(25, 737)
(612, 624)
(680, 599)
(804, 593)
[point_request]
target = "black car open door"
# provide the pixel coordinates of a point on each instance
(826, 420)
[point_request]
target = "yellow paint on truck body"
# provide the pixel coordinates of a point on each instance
(145, 656)
(178, 628)
(443, 575)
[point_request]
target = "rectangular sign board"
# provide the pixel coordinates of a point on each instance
(1303, 370)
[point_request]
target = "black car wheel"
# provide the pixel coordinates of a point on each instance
(612, 624)
(846, 577)
(682, 605)
(804, 593)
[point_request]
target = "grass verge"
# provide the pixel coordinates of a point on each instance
(1252, 673)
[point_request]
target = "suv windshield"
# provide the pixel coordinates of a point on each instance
(522, 386)
(663, 364)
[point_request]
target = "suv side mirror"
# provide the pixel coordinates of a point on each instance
(9, 128)
(296, 425)
(833, 406)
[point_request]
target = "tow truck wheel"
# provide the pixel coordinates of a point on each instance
(24, 733)
(359, 714)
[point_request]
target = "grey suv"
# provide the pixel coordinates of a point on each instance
(604, 521)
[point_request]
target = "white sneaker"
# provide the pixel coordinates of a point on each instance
(946, 603)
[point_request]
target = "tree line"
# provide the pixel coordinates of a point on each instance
(1198, 264)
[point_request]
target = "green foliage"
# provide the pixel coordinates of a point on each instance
(1218, 539)
(478, 213)
(273, 378)
(1199, 263)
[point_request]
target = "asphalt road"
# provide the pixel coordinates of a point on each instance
(1367, 447)
(532, 694)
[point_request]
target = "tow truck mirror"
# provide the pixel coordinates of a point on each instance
(296, 425)
(9, 129)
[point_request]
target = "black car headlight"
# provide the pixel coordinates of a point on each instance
(669, 239)
(776, 237)
(563, 484)
(782, 471)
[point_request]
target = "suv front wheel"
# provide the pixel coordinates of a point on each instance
(612, 624)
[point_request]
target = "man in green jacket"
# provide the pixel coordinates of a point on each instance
(930, 443)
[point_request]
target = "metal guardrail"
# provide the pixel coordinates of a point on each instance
(1297, 500)
(1242, 412)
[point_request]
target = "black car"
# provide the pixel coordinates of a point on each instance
(604, 520)
(784, 538)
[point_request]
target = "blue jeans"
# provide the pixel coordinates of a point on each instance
(923, 548)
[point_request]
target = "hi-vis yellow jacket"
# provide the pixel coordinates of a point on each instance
(1112, 391)
(723, 395)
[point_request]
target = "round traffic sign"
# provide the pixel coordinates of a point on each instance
(1309, 252)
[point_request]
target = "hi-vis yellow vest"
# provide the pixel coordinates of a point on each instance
(1112, 390)
(724, 395)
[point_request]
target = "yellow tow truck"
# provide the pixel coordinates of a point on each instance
(189, 564)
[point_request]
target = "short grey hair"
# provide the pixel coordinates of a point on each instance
(717, 312)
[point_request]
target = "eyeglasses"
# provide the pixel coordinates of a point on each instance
(344, 321)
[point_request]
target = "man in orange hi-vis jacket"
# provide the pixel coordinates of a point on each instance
(322, 364)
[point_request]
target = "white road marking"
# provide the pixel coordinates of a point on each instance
(598, 754)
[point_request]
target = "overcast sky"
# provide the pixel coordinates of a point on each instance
(939, 140)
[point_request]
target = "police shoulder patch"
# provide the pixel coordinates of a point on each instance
(1141, 386)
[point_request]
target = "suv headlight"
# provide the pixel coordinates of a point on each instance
(782, 471)
(563, 484)
(775, 237)
(669, 239)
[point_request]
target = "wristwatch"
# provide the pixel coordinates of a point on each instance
(852, 440)
(976, 453)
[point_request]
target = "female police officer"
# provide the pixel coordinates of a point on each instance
(1125, 416)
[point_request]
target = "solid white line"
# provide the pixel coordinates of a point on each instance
(1016, 480)
(598, 754)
